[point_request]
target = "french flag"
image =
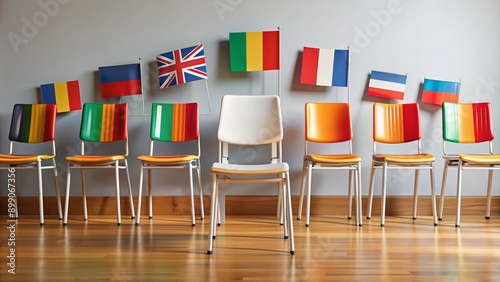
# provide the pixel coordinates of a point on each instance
(324, 67)
(387, 85)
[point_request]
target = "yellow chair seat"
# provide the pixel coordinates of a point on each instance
(94, 160)
(249, 169)
(22, 159)
(404, 159)
(333, 159)
(481, 159)
(167, 160)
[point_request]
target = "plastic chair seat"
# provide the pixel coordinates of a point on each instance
(404, 159)
(167, 160)
(23, 159)
(481, 159)
(333, 159)
(94, 160)
(249, 169)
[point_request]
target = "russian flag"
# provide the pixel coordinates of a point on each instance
(437, 91)
(66, 95)
(121, 80)
(387, 85)
(324, 67)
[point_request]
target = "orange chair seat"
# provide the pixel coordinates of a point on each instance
(404, 159)
(333, 159)
(94, 160)
(481, 159)
(167, 160)
(22, 159)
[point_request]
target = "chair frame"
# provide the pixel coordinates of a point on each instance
(461, 162)
(276, 171)
(354, 169)
(31, 165)
(116, 165)
(385, 166)
(193, 164)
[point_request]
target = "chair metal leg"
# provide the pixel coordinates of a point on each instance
(58, 193)
(384, 190)
(359, 195)
(118, 209)
(370, 192)
(349, 196)
(84, 195)
(213, 211)
(40, 191)
(130, 196)
(66, 200)
(150, 193)
(139, 200)
(488, 193)
(308, 205)
(191, 192)
(433, 195)
(415, 193)
(459, 192)
(287, 193)
(202, 208)
(302, 187)
(443, 187)
(284, 214)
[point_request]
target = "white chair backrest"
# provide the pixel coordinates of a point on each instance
(250, 120)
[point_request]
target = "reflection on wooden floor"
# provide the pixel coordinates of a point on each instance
(252, 248)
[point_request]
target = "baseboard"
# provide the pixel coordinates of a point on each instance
(251, 205)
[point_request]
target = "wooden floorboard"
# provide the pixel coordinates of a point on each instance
(168, 248)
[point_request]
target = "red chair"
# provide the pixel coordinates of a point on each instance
(398, 124)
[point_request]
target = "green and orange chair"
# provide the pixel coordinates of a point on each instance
(172, 124)
(31, 124)
(468, 123)
(101, 123)
(395, 124)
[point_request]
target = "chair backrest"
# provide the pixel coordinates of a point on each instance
(33, 123)
(250, 120)
(328, 122)
(467, 123)
(174, 122)
(396, 123)
(104, 122)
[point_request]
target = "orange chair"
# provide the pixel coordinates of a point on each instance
(398, 124)
(101, 123)
(468, 124)
(172, 123)
(330, 123)
(31, 124)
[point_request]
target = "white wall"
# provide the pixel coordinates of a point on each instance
(46, 41)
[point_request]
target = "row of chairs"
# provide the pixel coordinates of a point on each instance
(255, 121)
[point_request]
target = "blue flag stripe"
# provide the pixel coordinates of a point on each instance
(441, 86)
(391, 77)
(340, 68)
(48, 93)
(120, 73)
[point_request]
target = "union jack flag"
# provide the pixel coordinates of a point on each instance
(181, 66)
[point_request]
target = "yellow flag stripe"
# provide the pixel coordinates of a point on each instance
(254, 51)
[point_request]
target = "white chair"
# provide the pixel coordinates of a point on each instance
(250, 121)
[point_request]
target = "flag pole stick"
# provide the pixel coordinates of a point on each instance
(279, 64)
(142, 87)
(348, 74)
(208, 98)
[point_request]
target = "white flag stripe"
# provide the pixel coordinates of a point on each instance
(387, 85)
(325, 67)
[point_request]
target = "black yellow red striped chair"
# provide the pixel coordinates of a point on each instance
(31, 124)
(398, 124)
(468, 123)
(101, 123)
(172, 123)
(328, 124)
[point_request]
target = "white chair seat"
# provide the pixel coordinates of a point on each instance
(250, 169)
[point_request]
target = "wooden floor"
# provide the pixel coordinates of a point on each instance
(168, 248)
